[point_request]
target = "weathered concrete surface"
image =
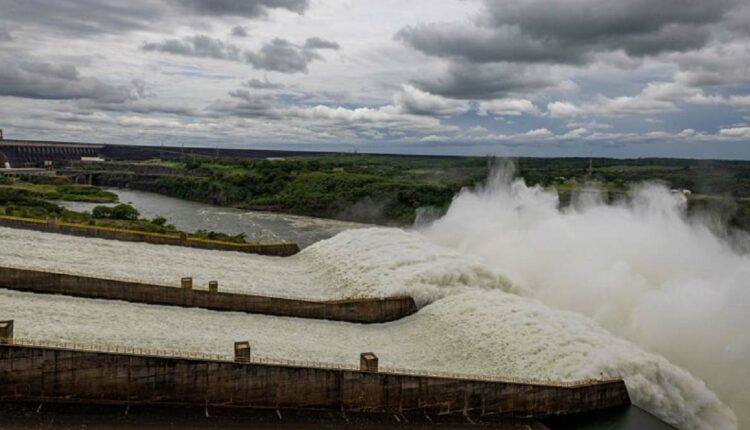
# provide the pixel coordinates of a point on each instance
(273, 249)
(375, 310)
(47, 374)
(27, 415)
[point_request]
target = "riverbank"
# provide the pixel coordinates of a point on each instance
(254, 226)
(92, 211)
(394, 190)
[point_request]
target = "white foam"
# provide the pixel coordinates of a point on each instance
(639, 267)
(474, 321)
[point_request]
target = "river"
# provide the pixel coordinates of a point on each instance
(257, 226)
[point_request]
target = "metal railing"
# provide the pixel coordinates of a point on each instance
(275, 361)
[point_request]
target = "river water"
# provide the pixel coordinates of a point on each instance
(257, 226)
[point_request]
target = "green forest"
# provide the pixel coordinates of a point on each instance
(388, 189)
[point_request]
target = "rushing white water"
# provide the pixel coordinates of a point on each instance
(472, 321)
(639, 267)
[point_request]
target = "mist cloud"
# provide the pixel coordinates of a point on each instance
(640, 267)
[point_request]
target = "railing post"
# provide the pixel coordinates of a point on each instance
(213, 286)
(368, 362)
(6, 331)
(186, 283)
(242, 352)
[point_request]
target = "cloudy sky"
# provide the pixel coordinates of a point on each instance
(620, 78)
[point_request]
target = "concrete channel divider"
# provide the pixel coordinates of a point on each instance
(365, 310)
(41, 373)
(55, 226)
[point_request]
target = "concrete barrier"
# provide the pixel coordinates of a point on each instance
(6, 331)
(43, 374)
(182, 239)
(373, 310)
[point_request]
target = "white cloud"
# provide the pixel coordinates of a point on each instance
(735, 132)
(575, 133)
(511, 107)
(411, 100)
(539, 133)
(564, 110)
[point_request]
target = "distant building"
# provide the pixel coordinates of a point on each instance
(92, 159)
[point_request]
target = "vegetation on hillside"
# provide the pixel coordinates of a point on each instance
(65, 191)
(390, 189)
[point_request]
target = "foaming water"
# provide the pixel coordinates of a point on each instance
(508, 285)
(640, 267)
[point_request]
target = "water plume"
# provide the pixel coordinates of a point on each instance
(640, 266)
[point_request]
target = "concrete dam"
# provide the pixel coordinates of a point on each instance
(468, 350)
(21, 153)
(49, 371)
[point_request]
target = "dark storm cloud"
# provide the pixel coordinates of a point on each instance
(525, 33)
(42, 80)
(85, 17)
(278, 55)
(246, 8)
(239, 31)
(246, 105)
(481, 45)
(136, 106)
(195, 46)
(569, 31)
(583, 21)
(281, 55)
(318, 43)
(82, 17)
(265, 84)
(484, 81)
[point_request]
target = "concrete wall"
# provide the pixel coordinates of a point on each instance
(352, 310)
(274, 249)
(47, 374)
(31, 153)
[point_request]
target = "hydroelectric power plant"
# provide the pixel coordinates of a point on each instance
(417, 322)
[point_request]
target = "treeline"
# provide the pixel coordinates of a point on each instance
(375, 190)
(390, 189)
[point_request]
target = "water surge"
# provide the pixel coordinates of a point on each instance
(640, 267)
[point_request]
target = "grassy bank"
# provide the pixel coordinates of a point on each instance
(64, 191)
(25, 199)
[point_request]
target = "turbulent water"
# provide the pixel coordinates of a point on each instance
(473, 319)
(637, 281)
(639, 267)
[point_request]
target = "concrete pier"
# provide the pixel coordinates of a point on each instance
(182, 239)
(375, 310)
(46, 374)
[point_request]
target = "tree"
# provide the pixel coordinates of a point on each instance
(119, 212)
(125, 212)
